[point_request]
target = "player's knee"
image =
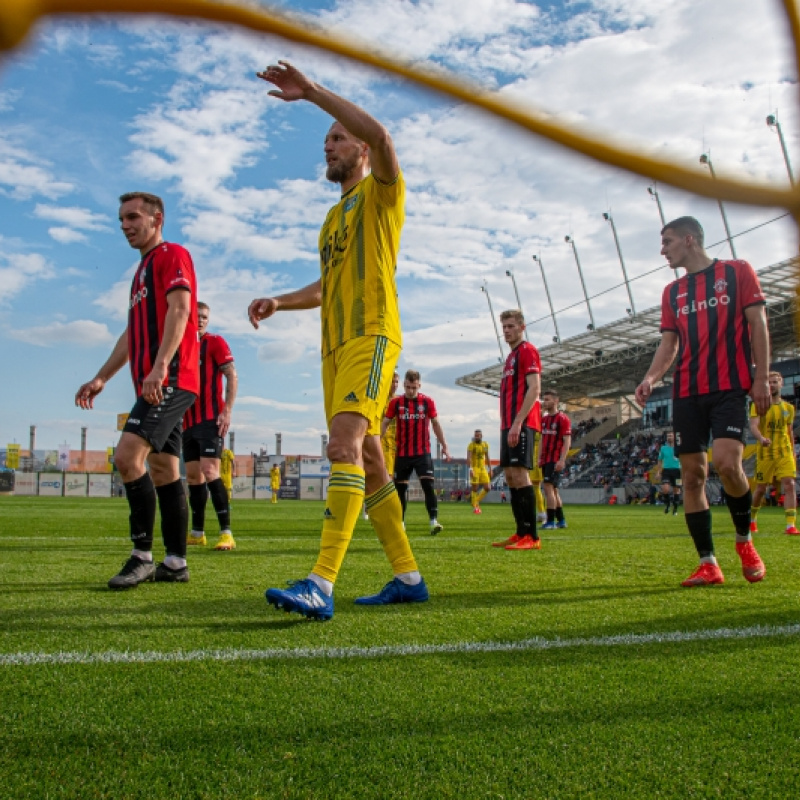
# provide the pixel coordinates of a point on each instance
(210, 470)
(343, 451)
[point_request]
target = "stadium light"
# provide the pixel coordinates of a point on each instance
(519, 302)
(570, 241)
(485, 290)
(653, 192)
(772, 122)
(610, 220)
(557, 337)
(706, 159)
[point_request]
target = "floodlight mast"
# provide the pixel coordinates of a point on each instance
(654, 194)
(485, 290)
(706, 159)
(538, 260)
(772, 122)
(570, 241)
(510, 274)
(610, 220)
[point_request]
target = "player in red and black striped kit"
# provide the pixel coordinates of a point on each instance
(204, 429)
(160, 343)
(415, 413)
(556, 439)
(713, 319)
(520, 420)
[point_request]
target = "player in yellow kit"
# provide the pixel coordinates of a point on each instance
(775, 459)
(275, 482)
(536, 481)
(227, 470)
(478, 460)
(388, 443)
(356, 292)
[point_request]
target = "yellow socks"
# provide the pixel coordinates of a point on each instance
(345, 499)
(386, 516)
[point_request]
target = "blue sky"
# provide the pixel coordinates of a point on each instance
(91, 109)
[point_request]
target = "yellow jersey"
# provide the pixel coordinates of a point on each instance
(358, 247)
(775, 425)
(275, 478)
(478, 454)
(388, 440)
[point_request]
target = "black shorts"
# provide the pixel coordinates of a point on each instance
(522, 454)
(671, 476)
(202, 441)
(161, 425)
(698, 420)
(405, 465)
(550, 474)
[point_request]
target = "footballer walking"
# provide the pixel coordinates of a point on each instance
(713, 319)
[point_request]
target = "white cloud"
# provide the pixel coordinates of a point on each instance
(66, 235)
(23, 175)
(82, 332)
(19, 270)
(267, 403)
(80, 218)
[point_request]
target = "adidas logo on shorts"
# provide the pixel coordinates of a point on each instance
(351, 398)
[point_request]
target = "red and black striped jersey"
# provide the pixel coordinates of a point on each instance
(166, 268)
(706, 310)
(522, 361)
(210, 403)
(554, 428)
(413, 417)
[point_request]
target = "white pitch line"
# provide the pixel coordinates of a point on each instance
(308, 653)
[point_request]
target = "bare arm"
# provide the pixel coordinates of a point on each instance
(84, 397)
(308, 297)
(294, 85)
(662, 360)
(754, 429)
(759, 341)
(231, 385)
(437, 429)
(385, 423)
(565, 445)
(179, 309)
(533, 382)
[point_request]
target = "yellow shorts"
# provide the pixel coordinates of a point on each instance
(356, 379)
(535, 474)
(479, 477)
(770, 469)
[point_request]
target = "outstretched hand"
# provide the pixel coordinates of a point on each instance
(261, 308)
(292, 84)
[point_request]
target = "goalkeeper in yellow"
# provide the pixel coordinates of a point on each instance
(478, 460)
(775, 454)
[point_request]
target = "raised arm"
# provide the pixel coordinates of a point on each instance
(293, 85)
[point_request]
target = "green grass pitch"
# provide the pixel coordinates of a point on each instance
(583, 670)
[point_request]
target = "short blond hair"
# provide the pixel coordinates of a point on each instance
(513, 313)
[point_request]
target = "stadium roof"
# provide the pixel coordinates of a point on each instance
(601, 365)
